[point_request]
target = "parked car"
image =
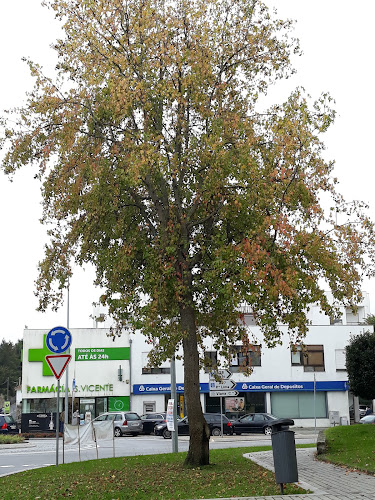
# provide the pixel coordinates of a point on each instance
(213, 420)
(368, 419)
(362, 411)
(124, 422)
(149, 420)
(7, 424)
(260, 422)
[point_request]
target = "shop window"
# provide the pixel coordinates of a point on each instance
(244, 357)
(311, 357)
(299, 404)
(210, 361)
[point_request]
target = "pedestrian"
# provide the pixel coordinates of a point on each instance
(76, 417)
(368, 411)
(62, 420)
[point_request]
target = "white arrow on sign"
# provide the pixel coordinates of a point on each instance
(220, 394)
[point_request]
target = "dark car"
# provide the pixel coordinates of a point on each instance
(213, 420)
(260, 422)
(149, 421)
(124, 422)
(8, 425)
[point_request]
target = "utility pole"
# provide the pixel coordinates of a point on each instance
(66, 414)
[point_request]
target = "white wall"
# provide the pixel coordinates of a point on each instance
(90, 376)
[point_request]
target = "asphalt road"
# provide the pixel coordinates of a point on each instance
(42, 452)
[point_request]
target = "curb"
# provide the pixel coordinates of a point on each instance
(12, 446)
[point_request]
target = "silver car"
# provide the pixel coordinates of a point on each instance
(124, 422)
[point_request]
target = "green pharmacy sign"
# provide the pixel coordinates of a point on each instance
(101, 353)
(40, 355)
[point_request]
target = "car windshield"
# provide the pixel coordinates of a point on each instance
(9, 419)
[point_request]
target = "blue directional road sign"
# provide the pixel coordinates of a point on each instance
(58, 340)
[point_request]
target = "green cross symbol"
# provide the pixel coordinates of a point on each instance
(40, 355)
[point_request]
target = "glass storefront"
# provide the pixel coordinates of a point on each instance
(299, 404)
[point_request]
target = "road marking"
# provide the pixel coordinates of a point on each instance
(6, 466)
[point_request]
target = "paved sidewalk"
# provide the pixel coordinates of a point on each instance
(326, 481)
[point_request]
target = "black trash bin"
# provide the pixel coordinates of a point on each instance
(284, 457)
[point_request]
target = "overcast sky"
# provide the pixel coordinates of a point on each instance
(337, 40)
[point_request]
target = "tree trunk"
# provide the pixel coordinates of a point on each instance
(198, 453)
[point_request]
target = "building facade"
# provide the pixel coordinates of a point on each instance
(309, 385)
(98, 376)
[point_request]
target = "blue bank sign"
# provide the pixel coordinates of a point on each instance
(329, 385)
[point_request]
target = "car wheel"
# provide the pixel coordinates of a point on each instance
(167, 434)
(117, 432)
(238, 433)
(216, 431)
(268, 430)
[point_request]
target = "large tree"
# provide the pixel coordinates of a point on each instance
(360, 365)
(161, 168)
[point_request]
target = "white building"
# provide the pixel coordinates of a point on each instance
(112, 374)
(98, 376)
(310, 387)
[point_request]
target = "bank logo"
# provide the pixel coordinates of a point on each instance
(244, 386)
(141, 388)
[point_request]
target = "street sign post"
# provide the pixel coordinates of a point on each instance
(58, 363)
(224, 385)
(222, 394)
(220, 386)
(58, 341)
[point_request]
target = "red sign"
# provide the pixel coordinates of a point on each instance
(58, 363)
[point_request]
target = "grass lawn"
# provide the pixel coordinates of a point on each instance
(147, 477)
(351, 445)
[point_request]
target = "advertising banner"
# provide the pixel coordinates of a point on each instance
(170, 422)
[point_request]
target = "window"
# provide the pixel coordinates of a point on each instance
(340, 358)
(241, 358)
(311, 357)
(258, 418)
(210, 360)
(299, 404)
(152, 370)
